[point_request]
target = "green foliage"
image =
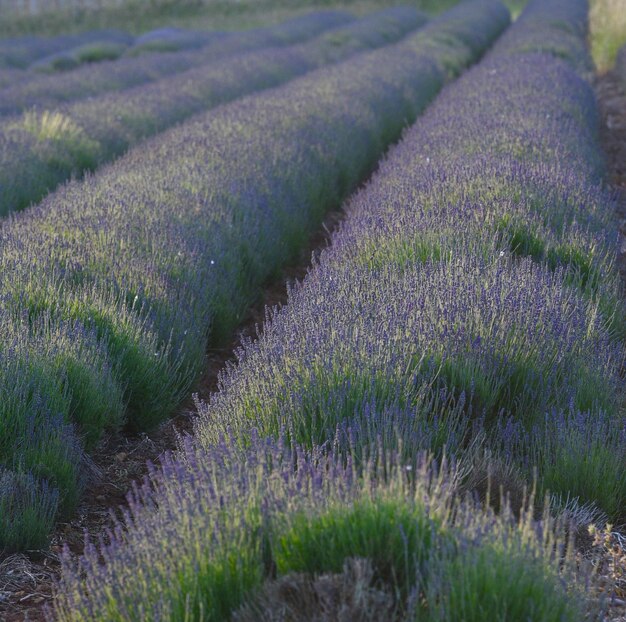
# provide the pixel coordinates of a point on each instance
(395, 536)
(587, 468)
(521, 239)
(98, 52)
(496, 583)
(400, 252)
(607, 23)
(25, 522)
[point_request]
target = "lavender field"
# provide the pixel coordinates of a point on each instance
(430, 427)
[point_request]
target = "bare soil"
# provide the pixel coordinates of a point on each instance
(611, 96)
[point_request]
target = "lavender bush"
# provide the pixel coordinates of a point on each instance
(559, 29)
(89, 81)
(212, 525)
(45, 148)
(528, 343)
(160, 253)
(472, 283)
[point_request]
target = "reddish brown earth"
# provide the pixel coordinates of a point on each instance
(611, 95)
(26, 581)
(612, 98)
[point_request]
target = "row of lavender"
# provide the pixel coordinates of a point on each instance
(472, 292)
(467, 307)
(63, 52)
(22, 59)
(89, 81)
(93, 47)
(41, 149)
(112, 287)
(471, 299)
(21, 52)
(99, 48)
(470, 304)
(10, 76)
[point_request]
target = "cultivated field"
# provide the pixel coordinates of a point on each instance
(429, 425)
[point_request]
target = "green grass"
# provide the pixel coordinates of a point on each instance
(607, 21)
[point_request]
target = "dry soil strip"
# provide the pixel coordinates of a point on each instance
(611, 96)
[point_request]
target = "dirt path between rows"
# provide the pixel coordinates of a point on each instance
(611, 96)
